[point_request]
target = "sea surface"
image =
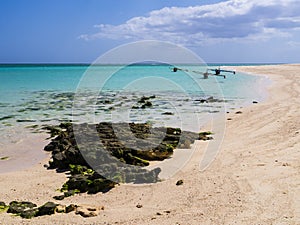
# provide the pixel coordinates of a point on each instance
(34, 95)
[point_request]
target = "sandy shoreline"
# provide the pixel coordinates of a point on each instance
(255, 178)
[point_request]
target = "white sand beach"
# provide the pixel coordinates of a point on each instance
(255, 178)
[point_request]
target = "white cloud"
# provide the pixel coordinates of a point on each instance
(229, 20)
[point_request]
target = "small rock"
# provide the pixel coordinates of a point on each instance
(88, 211)
(261, 164)
(239, 112)
(60, 209)
(285, 164)
(158, 213)
(146, 105)
(59, 197)
(179, 182)
(139, 206)
(168, 113)
(254, 102)
(71, 208)
(3, 206)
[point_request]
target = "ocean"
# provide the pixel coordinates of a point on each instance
(35, 95)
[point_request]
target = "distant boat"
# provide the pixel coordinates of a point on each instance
(217, 72)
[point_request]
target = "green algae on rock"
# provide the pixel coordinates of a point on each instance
(111, 153)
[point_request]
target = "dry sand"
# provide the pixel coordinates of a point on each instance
(255, 178)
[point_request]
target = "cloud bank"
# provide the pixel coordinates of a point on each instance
(229, 20)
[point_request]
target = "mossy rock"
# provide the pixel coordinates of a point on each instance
(71, 193)
(79, 182)
(4, 158)
(47, 209)
(79, 169)
(29, 213)
(18, 207)
(3, 207)
(134, 160)
(101, 185)
(67, 157)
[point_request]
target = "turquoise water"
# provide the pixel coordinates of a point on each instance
(45, 94)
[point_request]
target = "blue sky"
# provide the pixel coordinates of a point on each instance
(78, 31)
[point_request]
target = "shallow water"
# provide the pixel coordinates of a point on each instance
(49, 94)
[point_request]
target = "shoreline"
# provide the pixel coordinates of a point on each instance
(253, 179)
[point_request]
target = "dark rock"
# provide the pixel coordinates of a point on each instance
(254, 102)
(239, 112)
(4, 158)
(168, 113)
(25, 121)
(202, 101)
(68, 156)
(59, 197)
(139, 206)
(205, 136)
(143, 99)
(105, 101)
(50, 147)
(18, 207)
(179, 182)
(71, 208)
(29, 213)
(79, 182)
(47, 209)
(147, 104)
(2, 204)
(6, 117)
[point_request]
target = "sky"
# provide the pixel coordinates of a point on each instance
(218, 31)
